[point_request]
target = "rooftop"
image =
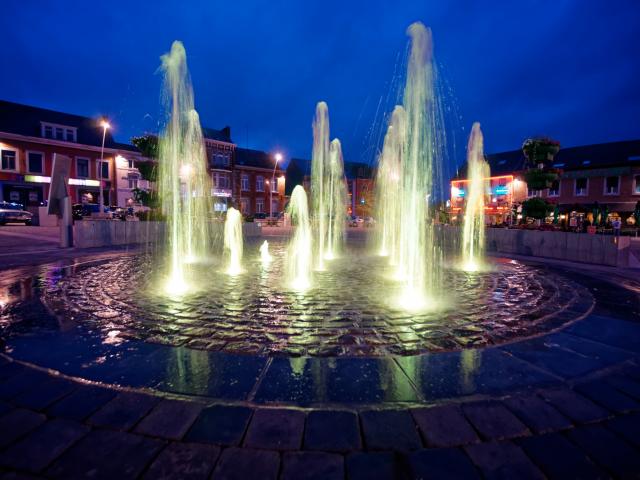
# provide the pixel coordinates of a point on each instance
(20, 119)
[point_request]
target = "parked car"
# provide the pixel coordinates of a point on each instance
(14, 213)
(356, 221)
(81, 210)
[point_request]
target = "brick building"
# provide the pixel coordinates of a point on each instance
(30, 136)
(254, 177)
(220, 155)
(606, 173)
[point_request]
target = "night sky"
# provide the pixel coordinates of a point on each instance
(567, 69)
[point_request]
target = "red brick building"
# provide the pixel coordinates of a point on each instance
(255, 175)
(29, 138)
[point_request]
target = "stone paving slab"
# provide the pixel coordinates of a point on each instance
(389, 430)
(17, 423)
(245, 463)
(41, 396)
(106, 454)
(275, 429)
(494, 421)
(502, 460)
(372, 465)
(183, 461)
(537, 414)
(220, 425)
(607, 396)
(574, 406)
(559, 458)
(627, 427)
(438, 463)
(332, 431)
(169, 419)
(444, 426)
(43, 445)
(124, 411)
(312, 466)
(606, 449)
(81, 403)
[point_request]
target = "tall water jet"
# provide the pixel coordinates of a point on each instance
(336, 201)
(233, 241)
(388, 186)
(183, 180)
(328, 189)
(418, 153)
(473, 230)
(299, 261)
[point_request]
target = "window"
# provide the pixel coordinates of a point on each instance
(244, 205)
(59, 133)
(35, 162)
(133, 181)
(533, 193)
(259, 184)
(612, 186)
(244, 182)
(554, 189)
(82, 167)
(48, 131)
(8, 159)
(636, 185)
(224, 181)
(259, 205)
(105, 169)
(582, 187)
(70, 135)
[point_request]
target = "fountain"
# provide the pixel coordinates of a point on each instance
(265, 256)
(473, 229)
(328, 190)
(299, 262)
(183, 181)
(233, 241)
(409, 167)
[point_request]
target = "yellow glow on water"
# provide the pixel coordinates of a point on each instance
(471, 266)
(233, 241)
(176, 285)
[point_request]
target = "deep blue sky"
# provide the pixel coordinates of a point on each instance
(568, 69)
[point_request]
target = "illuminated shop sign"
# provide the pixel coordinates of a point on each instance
(72, 181)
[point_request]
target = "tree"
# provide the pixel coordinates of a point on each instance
(536, 208)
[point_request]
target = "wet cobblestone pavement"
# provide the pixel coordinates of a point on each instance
(76, 402)
(349, 312)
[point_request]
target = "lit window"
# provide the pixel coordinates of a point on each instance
(8, 160)
(259, 184)
(636, 188)
(34, 162)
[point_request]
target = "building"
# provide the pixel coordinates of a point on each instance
(29, 138)
(220, 156)
(255, 174)
(607, 174)
(360, 189)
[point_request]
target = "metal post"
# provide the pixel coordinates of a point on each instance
(101, 194)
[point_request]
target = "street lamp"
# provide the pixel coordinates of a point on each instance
(278, 158)
(105, 125)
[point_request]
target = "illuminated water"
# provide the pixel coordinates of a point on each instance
(265, 256)
(233, 242)
(473, 230)
(328, 190)
(299, 255)
(184, 185)
(412, 154)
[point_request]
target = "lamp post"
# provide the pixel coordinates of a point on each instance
(278, 158)
(105, 125)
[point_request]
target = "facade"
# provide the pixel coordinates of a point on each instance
(606, 174)
(360, 189)
(29, 138)
(255, 175)
(220, 155)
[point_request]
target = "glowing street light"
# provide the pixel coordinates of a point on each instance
(105, 126)
(278, 158)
